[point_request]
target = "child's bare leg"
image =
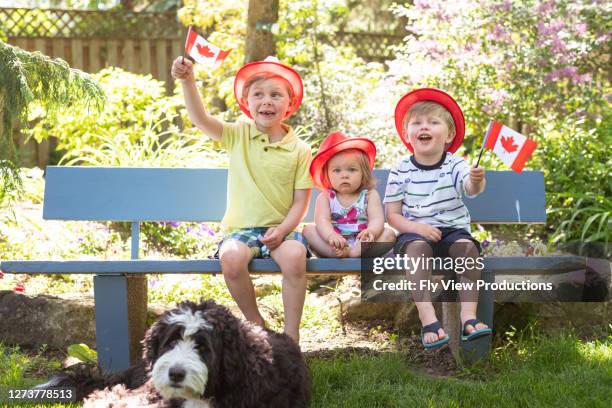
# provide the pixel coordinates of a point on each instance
(355, 250)
(317, 243)
(388, 235)
(291, 258)
(464, 248)
(235, 257)
(422, 298)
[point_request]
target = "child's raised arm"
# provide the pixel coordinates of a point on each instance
(182, 69)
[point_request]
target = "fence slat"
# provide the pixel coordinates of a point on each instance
(145, 57)
(162, 60)
(95, 55)
(40, 45)
(59, 48)
(113, 53)
(129, 59)
(77, 53)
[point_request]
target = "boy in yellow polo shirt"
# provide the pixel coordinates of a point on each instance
(268, 182)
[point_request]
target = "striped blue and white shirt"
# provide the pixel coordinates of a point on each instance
(431, 194)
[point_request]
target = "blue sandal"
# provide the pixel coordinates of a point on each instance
(433, 328)
(476, 334)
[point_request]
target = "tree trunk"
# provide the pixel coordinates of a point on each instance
(262, 15)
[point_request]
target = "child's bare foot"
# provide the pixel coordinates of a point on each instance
(342, 252)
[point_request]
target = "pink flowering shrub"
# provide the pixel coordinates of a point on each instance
(523, 63)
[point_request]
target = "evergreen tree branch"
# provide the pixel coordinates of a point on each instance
(31, 77)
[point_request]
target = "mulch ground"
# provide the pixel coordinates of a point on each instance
(371, 339)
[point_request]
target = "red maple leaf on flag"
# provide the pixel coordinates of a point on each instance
(507, 143)
(204, 51)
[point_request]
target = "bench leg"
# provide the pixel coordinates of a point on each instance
(112, 335)
(480, 349)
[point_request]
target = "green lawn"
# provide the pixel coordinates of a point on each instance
(560, 371)
(539, 371)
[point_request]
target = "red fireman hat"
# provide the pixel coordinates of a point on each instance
(269, 65)
(433, 95)
(333, 144)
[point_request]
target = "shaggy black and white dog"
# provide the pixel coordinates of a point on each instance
(201, 355)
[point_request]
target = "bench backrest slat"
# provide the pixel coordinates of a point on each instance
(178, 194)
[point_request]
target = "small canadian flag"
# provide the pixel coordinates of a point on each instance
(513, 148)
(202, 51)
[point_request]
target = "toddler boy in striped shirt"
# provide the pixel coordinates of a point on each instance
(423, 201)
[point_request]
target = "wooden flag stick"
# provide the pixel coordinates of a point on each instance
(185, 47)
(480, 155)
(484, 142)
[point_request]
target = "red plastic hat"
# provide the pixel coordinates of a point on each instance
(333, 144)
(433, 95)
(269, 65)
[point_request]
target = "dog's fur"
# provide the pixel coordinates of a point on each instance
(200, 355)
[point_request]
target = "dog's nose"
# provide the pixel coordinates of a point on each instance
(176, 374)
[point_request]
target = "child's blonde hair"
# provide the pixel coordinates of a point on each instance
(427, 107)
(262, 77)
(367, 181)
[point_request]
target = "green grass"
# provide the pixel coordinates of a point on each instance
(21, 370)
(530, 371)
(539, 372)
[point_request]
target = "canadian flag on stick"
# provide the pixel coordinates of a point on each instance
(202, 51)
(510, 146)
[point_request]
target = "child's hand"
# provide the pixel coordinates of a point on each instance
(428, 232)
(477, 174)
(366, 236)
(336, 241)
(182, 68)
(272, 238)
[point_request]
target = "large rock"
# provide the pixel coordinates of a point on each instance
(34, 321)
(58, 323)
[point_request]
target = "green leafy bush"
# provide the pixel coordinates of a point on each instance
(137, 106)
(578, 182)
(192, 240)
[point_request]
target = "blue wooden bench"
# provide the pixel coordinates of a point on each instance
(175, 194)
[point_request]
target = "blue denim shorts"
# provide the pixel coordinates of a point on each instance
(251, 237)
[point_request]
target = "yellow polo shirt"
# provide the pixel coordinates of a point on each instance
(262, 176)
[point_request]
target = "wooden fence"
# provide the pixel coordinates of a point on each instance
(91, 40)
(142, 56)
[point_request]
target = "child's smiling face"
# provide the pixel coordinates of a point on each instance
(268, 101)
(429, 134)
(344, 172)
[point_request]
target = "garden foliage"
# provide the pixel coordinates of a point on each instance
(538, 66)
